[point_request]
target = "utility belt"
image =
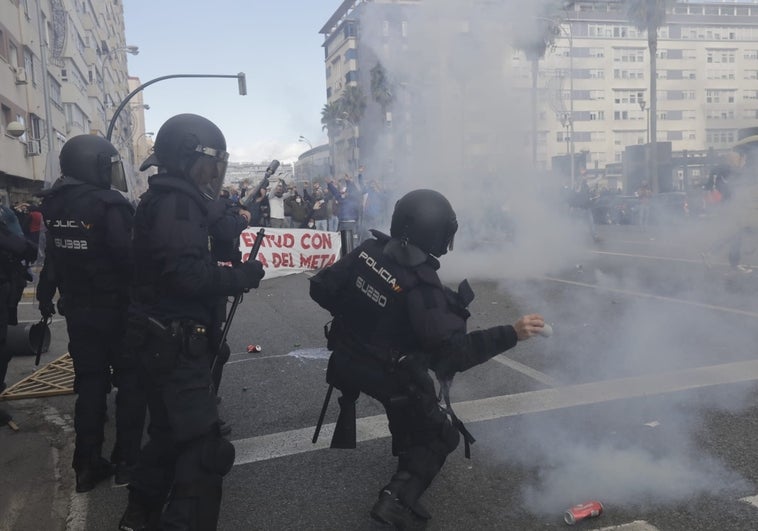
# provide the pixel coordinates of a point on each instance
(339, 337)
(161, 345)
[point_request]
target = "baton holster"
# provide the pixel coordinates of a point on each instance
(344, 431)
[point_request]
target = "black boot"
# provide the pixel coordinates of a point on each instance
(393, 508)
(91, 472)
(123, 475)
(139, 515)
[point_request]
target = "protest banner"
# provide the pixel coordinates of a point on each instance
(290, 251)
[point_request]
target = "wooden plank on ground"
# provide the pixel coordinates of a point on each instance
(55, 378)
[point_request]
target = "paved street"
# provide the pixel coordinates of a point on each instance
(644, 398)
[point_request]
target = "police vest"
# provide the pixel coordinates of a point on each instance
(77, 234)
(373, 303)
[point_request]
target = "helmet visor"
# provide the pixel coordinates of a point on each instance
(112, 172)
(212, 186)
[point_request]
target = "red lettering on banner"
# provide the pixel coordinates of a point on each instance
(248, 238)
(279, 240)
(315, 240)
(282, 260)
(316, 261)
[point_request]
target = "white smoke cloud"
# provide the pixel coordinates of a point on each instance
(458, 86)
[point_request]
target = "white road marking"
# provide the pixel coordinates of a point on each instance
(651, 257)
(752, 500)
(637, 525)
(527, 370)
(271, 446)
(640, 294)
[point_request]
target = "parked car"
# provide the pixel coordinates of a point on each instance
(668, 208)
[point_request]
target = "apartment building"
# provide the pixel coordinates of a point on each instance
(458, 81)
(63, 71)
(707, 79)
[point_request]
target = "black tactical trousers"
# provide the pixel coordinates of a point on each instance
(5, 356)
(185, 458)
(95, 344)
(422, 434)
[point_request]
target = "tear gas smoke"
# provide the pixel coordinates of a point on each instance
(457, 109)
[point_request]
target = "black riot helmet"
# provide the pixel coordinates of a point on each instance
(94, 160)
(194, 148)
(425, 219)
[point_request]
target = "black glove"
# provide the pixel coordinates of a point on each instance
(46, 308)
(252, 273)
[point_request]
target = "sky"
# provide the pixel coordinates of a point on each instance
(276, 44)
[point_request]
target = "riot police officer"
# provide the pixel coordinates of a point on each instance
(394, 320)
(176, 289)
(88, 260)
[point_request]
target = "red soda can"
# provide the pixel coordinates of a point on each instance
(254, 348)
(582, 511)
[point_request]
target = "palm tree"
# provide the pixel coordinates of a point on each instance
(648, 16)
(352, 103)
(330, 119)
(534, 39)
(381, 90)
(330, 114)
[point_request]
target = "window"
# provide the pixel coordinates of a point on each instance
(597, 52)
(629, 55)
(750, 55)
(597, 115)
(597, 94)
(3, 47)
(721, 137)
(751, 74)
(29, 64)
(351, 53)
(719, 96)
(13, 55)
(748, 95)
(351, 76)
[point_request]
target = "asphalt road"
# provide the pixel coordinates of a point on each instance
(644, 398)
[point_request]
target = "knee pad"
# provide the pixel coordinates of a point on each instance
(217, 455)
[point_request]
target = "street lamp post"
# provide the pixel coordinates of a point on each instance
(241, 83)
(643, 103)
(570, 36)
(304, 140)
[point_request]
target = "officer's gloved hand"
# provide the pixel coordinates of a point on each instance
(253, 272)
(46, 308)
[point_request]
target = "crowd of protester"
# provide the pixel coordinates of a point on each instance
(328, 205)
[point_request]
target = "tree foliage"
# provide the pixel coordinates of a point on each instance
(381, 87)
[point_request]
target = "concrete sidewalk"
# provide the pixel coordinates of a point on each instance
(37, 486)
